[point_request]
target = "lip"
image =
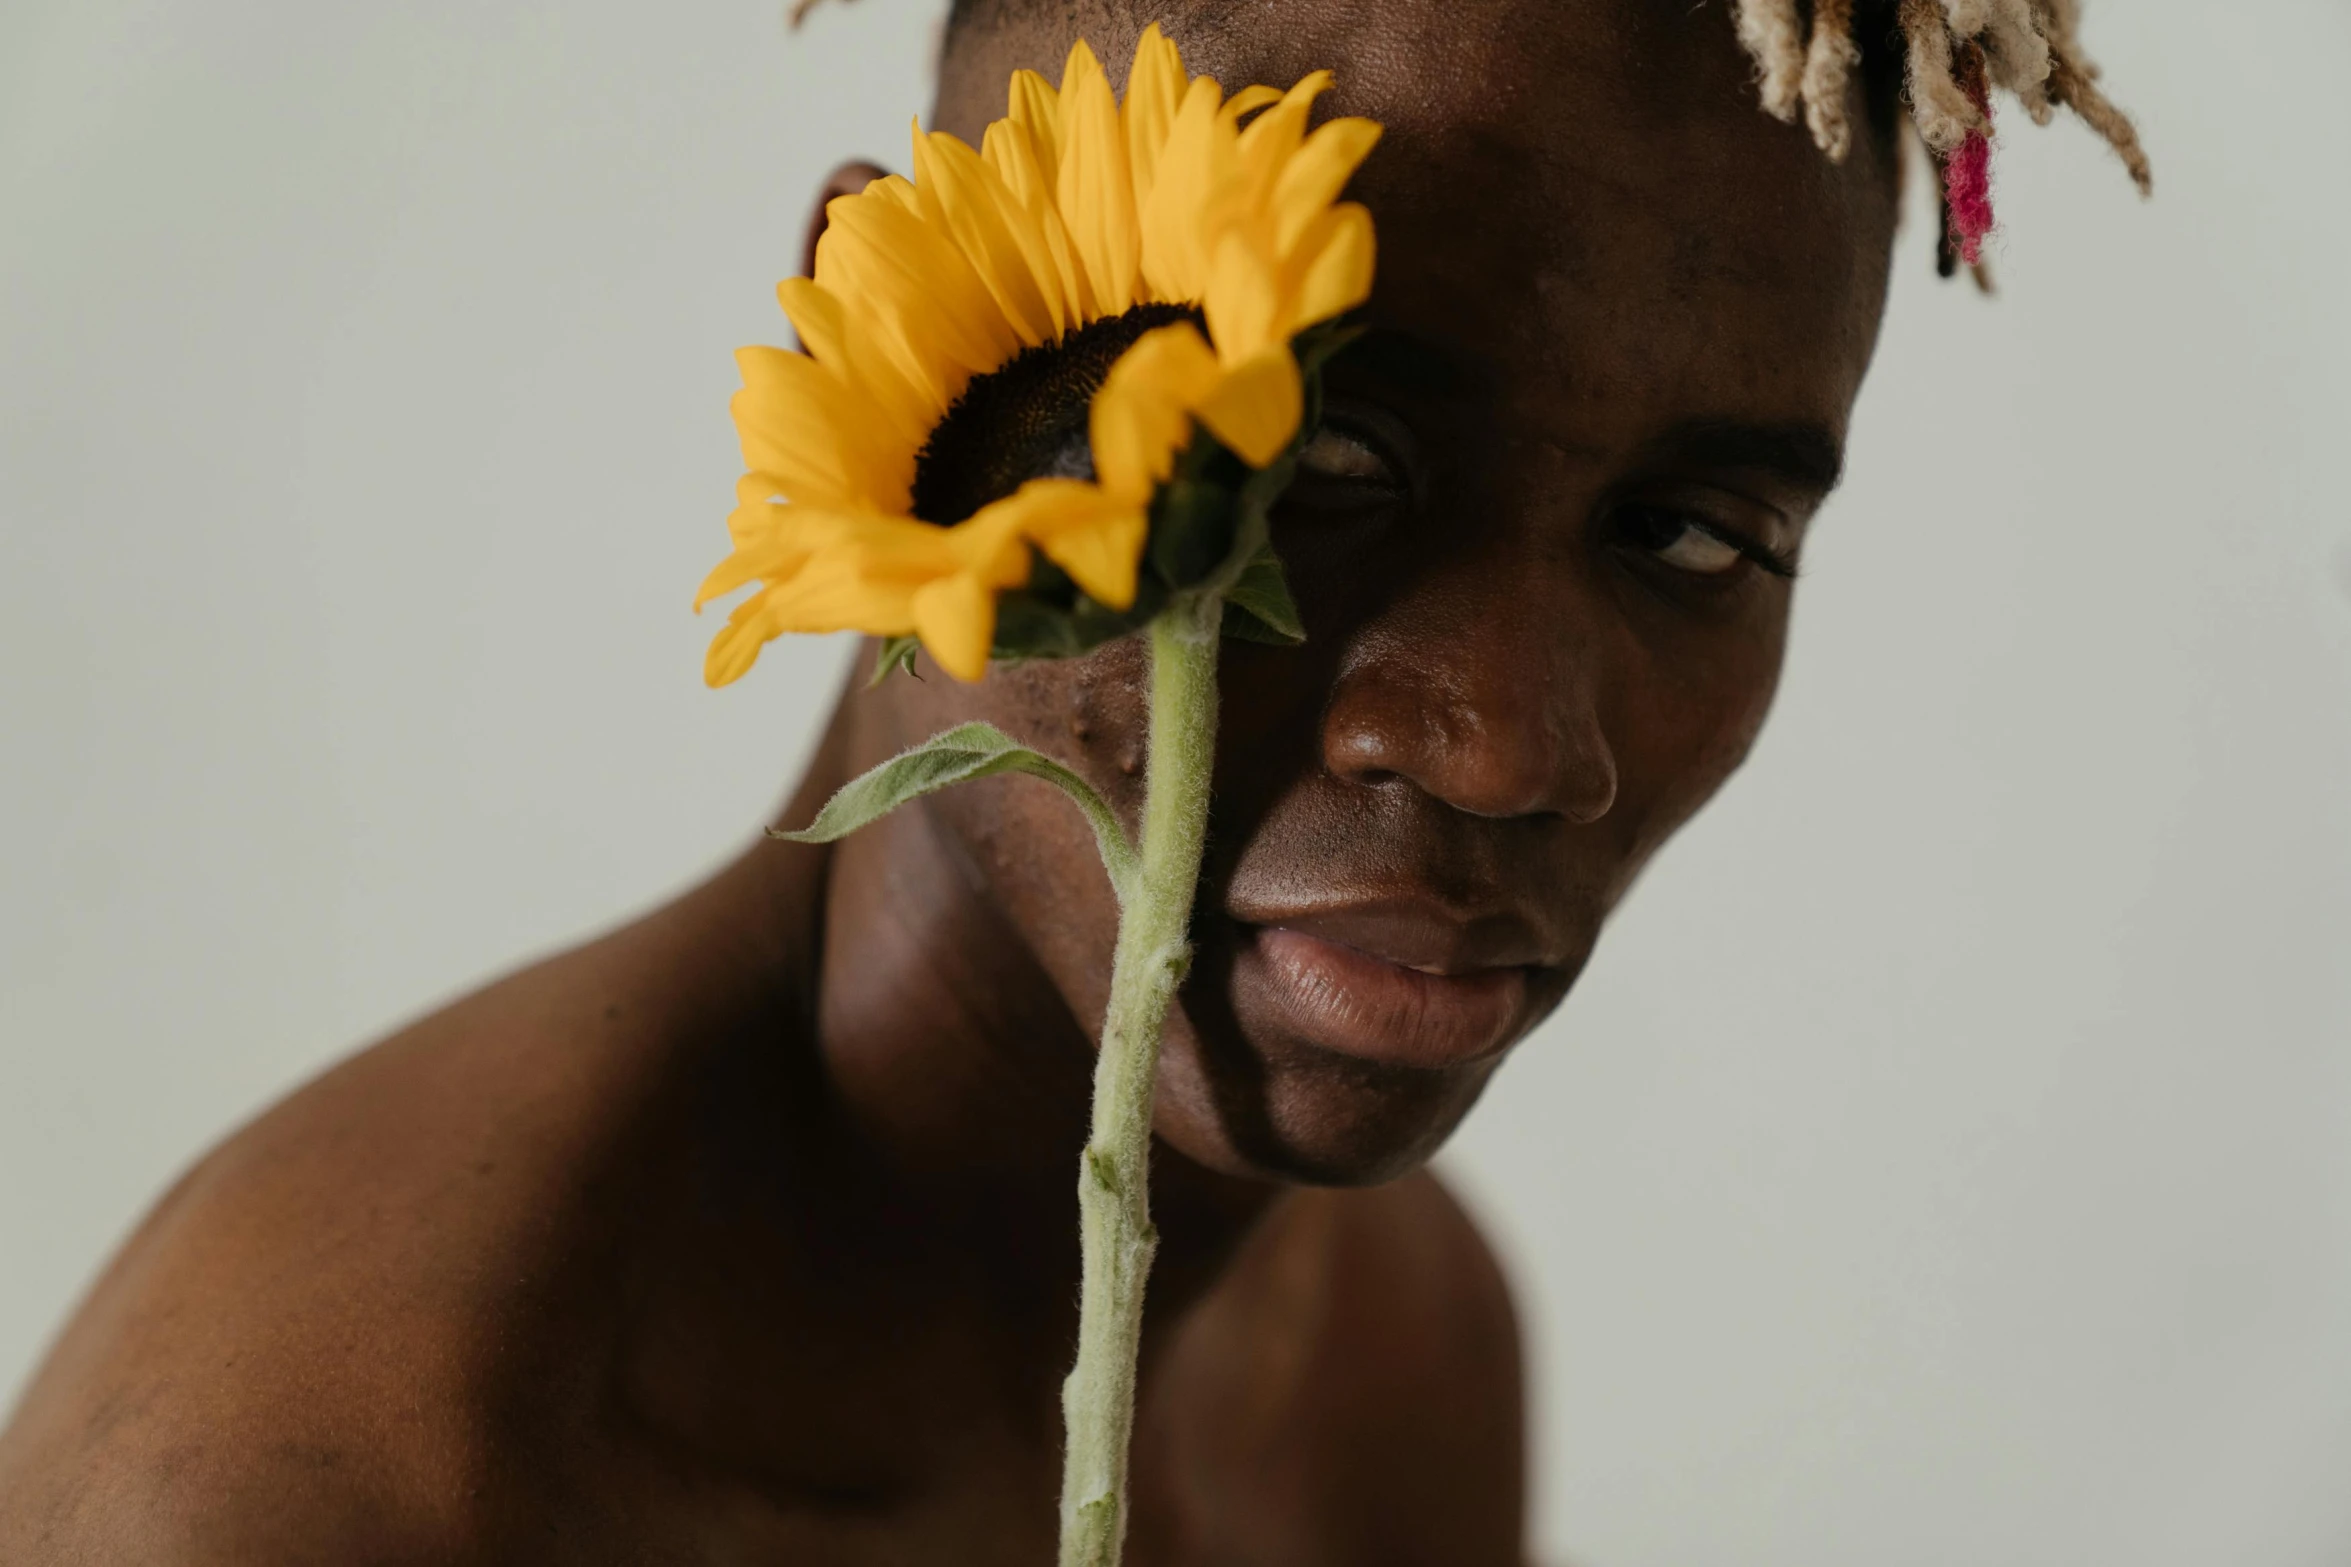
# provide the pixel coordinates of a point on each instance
(1394, 1006)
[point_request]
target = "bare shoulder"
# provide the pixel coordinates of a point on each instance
(1358, 1391)
(319, 1344)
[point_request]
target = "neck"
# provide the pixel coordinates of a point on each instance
(950, 1057)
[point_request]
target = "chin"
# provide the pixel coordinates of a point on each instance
(1281, 1109)
(1305, 1058)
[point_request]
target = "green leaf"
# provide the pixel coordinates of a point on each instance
(956, 756)
(897, 653)
(1258, 606)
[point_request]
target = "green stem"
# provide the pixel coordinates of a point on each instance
(1114, 1203)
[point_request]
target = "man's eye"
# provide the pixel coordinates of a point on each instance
(1685, 543)
(1337, 455)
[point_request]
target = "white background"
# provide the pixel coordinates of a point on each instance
(1946, 1162)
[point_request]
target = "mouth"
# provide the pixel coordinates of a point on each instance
(1386, 987)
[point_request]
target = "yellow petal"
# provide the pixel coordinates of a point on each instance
(861, 574)
(1011, 154)
(1155, 86)
(815, 562)
(1141, 418)
(1256, 408)
(751, 489)
(1095, 536)
(1313, 178)
(924, 202)
(1035, 108)
(1333, 265)
(833, 567)
(1275, 135)
(818, 318)
(724, 578)
(736, 647)
(912, 279)
(893, 187)
(1095, 191)
(842, 590)
(1248, 99)
(816, 435)
(1243, 301)
(1196, 163)
(870, 315)
(980, 212)
(956, 619)
(839, 342)
(773, 543)
(989, 544)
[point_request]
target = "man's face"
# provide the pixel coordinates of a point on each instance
(1619, 325)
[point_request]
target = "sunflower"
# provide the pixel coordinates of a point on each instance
(1076, 209)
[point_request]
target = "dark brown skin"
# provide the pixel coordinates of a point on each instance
(747, 1234)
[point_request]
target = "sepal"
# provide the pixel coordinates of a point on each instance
(897, 654)
(1258, 606)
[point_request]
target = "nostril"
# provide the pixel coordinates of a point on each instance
(1364, 753)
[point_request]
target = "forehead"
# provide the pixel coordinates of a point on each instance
(1580, 198)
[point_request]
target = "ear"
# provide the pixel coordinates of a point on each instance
(847, 180)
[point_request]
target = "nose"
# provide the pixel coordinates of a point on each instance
(1486, 709)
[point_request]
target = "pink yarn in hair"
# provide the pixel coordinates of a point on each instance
(1967, 185)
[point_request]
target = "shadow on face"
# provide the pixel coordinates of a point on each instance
(1543, 544)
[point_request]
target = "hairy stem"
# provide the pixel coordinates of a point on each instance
(1114, 1207)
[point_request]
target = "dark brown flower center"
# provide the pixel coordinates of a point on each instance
(1026, 420)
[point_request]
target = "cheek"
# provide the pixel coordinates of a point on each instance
(1685, 717)
(1029, 852)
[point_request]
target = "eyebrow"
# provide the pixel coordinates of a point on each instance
(1799, 451)
(1410, 362)
(1802, 452)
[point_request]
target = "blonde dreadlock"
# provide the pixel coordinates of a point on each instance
(2030, 48)
(1774, 35)
(1828, 68)
(1955, 53)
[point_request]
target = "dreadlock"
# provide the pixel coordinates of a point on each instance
(1949, 55)
(1955, 52)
